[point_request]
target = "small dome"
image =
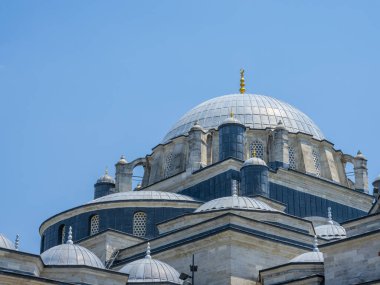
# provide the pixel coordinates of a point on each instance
(331, 230)
(360, 155)
(234, 202)
(6, 243)
(122, 160)
(106, 178)
(254, 161)
(70, 254)
(149, 270)
(280, 126)
(144, 195)
(309, 257)
(231, 120)
(312, 256)
(197, 127)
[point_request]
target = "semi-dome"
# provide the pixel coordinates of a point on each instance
(70, 254)
(331, 230)
(144, 195)
(254, 111)
(6, 243)
(312, 256)
(149, 270)
(234, 202)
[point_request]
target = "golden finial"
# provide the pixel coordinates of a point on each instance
(242, 82)
(231, 114)
(254, 152)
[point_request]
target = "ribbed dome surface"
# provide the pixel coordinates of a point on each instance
(143, 195)
(254, 111)
(234, 202)
(331, 231)
(6, 243)
(309, 257)
(70, 254)
(150, 270)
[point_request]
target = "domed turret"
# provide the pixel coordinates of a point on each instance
(231, 138)
(149, 270)
(6, 243)
(234, 202)
(70, 254)
(254, 177)
(105, 185)
(312, 256)
(332, 230)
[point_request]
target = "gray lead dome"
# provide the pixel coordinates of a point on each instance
(254, 111)
(70, 254)
(234, 202)
(6, 243)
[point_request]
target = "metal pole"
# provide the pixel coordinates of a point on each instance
(192, 272)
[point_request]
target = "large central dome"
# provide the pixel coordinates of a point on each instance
(254, 111)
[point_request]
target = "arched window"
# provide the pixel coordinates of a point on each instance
(292, 158)
(168, 165)
(94, 225)
(139, 224)
(258, 148)
(61, 234)
(317, 163)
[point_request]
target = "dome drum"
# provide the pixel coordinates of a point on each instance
(117, 211)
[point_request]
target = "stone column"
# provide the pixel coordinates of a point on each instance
(361, 173)
(280, 147)
(123, 177)
(197, 149)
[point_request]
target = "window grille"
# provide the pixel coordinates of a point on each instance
(317, 163)
(168, 165)
(139, 224)
(258, 148)
(292, 158)
(94, 225)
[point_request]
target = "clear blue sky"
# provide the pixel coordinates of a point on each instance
(82, 82)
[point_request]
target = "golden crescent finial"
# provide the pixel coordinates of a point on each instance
(242, 82)
(254, 152)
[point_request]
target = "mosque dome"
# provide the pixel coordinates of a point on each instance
(331, 230)
(70, 254)
(106, 178)
(6, 243)
(144, 195)
(312, 256)
(234, 202)
(254, 111)
(149, 270)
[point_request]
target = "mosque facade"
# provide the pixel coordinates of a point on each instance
(244, 185)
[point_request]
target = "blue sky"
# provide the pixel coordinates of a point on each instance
(82, 82)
